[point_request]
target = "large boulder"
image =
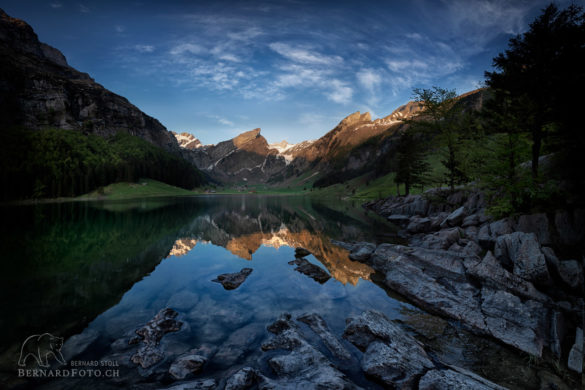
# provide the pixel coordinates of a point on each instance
(390, 355)
(455, 218)
(455, 378)
(319, 326)
(575, 362)
(522, 252)
(361, 251)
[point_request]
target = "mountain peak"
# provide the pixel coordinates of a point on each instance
(187, 140)
(354, 118)
(246, 137)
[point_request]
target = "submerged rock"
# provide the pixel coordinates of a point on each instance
(233, 280)
(390, 355)
(319, 326)
(304, 367)
(151, 352)
(311, 270)
(187, 365)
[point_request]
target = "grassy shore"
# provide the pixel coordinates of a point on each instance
(144, 188)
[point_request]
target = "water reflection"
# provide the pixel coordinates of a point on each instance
(64, 264)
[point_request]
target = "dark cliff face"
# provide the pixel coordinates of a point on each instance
(38, 89)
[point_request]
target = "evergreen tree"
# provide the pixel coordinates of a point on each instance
(411, 167)
(442, 115)
(539, 73)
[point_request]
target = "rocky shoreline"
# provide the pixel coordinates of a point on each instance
(500, 279)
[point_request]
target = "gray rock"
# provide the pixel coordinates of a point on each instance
(301, 252)
(311, 270)
(361, 251)
(472, 232)
(187, 365)
(537, 224)
(243, 379)
(575, 361)
(522, 252)
(233, 280)
(151, 352)
(471, 248)
(455, 379)
(530, 263)
(303, 367)
(437, 281)
(390, 355)
(442, 239)
(199, 384)
(419, 225)
(491, 273)
(484, 237)
(519, 324)
(319, 326)
(501, 227)
(571, 272)
(455, 218)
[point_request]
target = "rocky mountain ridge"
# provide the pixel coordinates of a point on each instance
(40, 90)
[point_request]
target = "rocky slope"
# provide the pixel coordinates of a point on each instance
(187, 140)
(501, 279)
(39, 89)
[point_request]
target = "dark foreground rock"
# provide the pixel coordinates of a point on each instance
(198, 384)
(187, 365)
(398, 361)
(311, 270)
(233, 280)
(319, 326)
(150, 352)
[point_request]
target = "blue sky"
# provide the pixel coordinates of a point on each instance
(293, 68)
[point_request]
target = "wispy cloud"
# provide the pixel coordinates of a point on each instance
(369, 78)
(84, 9)
(304, 55)
(144, 48)
(340, 92)
(56, 5)
(187, 48)
(119, 28)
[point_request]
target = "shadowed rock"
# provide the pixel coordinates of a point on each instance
(311, 270)
(319, 326)
(187, 365)
(390, 355)
(233, 280)
(150, 352)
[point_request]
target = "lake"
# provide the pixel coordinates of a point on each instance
(94, 272)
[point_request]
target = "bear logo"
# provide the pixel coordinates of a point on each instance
(40, 347)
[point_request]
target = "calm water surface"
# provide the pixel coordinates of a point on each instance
(94, 272)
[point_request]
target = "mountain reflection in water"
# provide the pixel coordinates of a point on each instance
(66, 263)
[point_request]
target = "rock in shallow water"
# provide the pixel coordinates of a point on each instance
(187, 365)
(318, 325)
(151, 352)
(233, 280)
(390, 355)
(311, 270)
